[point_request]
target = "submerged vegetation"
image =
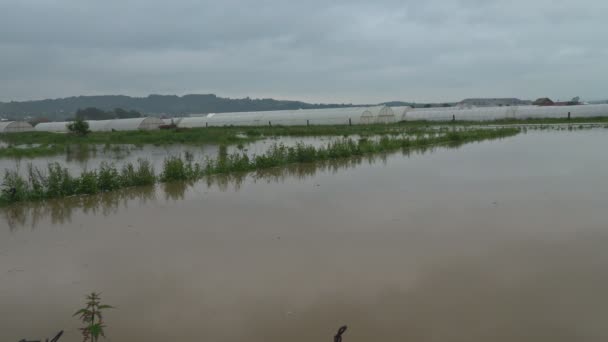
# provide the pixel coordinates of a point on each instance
(56, 181)
(30, 151)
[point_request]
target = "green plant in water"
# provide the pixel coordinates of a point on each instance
(91, 316)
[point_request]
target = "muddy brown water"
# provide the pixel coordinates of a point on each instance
(495, 241)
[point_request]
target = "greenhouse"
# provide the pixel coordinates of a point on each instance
(171, 121)
(55, 127)
(386, 115)
(15, 126)
(134, 124)
(508, 112)
(300, 117)
(400, 112)
(98, 125)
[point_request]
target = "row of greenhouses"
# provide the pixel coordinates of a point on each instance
(329, 116)
(508, 112)
(301, 117)
(384, 114)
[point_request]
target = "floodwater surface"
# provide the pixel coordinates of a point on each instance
(497, 241)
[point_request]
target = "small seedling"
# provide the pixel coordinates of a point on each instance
(91, 316)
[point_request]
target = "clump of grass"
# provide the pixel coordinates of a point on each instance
(14, 188)
(57, 181)
(177, 168)
(143, 174)
(454, 136)
(108, 177)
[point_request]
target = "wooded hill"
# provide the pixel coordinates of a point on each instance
(156, 105)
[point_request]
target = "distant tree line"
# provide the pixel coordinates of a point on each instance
(93, 113)
(153, 105)
(156, 105)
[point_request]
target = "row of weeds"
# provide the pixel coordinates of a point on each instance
(56, 181)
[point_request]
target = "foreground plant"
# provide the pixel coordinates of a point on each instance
(91, 316)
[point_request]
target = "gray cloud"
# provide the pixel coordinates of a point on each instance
(338, 51)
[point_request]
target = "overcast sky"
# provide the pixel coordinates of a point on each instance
(312, 50)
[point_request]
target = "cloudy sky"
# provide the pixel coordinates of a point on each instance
(313, 50)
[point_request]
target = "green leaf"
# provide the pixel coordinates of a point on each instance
(96, 330)
(82, 312)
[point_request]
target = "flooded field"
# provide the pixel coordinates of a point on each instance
(503, 240)
(80, 158)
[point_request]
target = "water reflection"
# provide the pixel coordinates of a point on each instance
(80, 153)
(176, 191)
(60, 210)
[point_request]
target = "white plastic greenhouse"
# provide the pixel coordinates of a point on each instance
(331, 116)
(55, 127)
(301, 117)
(171, 121)
(400, 112)
(15, 126)
(508, 112)
(98, 125)
(134, 124)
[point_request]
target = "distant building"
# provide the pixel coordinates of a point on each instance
(493, 102)
(543, 101)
